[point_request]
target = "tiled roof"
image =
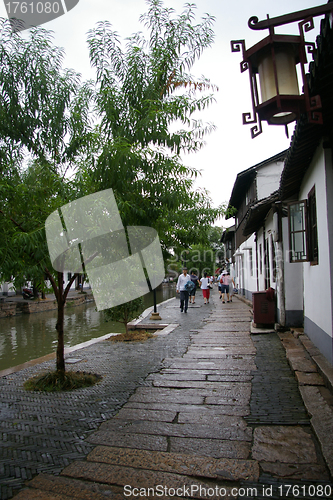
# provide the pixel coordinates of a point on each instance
(257, 213)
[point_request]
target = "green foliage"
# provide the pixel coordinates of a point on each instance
(44, 120)
(199, 258)
(146, 105)
(44, 127)
(147, 102)
(61, 381)
(124, 313)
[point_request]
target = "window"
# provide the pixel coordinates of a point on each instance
(251, 261)
(297, 231)
(303, 240)
(267, 265)
(273, 260)
(312, 228)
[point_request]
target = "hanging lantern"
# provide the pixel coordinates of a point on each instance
(272, 65)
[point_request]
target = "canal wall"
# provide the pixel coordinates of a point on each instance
(16, 307)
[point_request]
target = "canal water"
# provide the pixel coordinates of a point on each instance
(30, 336)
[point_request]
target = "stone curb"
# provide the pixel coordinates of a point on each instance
(306, 361)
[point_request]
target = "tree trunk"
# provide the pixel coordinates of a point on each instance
(61, 296)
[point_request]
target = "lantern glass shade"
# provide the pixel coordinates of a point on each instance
(284, 83)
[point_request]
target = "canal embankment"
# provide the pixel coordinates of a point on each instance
(16, 305)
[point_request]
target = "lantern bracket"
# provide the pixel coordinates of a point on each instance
(255, 24)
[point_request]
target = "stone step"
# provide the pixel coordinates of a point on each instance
(47, 487)
(189, 465)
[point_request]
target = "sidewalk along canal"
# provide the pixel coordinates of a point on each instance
(27, 337)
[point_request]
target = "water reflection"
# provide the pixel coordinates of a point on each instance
(30, 336)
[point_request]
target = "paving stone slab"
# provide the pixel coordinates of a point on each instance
(208, 374)
(230, 377)
(154, 415)
(176, 375)
(222, 409)
(156, 394)
(222, 364)
(202, 385)
(302, 472)
(241, 397)
(213, 336)
(211, 417)
(138, 478)
(211, 447)
(214, 331)
(299, 363)
(230, 319)
(222, 342)
(190, 465)
(322, 419)
(188, 430)
(237, 330)
(309, 345)
(74, 488)
(284, 444)
(304, 378)
(34, 494)
(140, 441)
(221, 352)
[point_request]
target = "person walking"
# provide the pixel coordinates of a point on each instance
(231, 284)
(219, 280)
(205, 287)
(194, 279)
(181, 289)
(224, 286)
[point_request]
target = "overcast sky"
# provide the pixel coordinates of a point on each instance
(229, 148)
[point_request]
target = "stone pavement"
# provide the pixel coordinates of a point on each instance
(221, 417)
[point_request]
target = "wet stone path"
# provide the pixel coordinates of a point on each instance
(207, 406)
(43, 433)
(275, 397)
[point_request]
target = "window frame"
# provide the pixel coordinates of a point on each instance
(303, 231)
(312, 229)
(309, 230)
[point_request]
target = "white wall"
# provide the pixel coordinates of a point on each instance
(268, 179)
(317, 278)
(293, 283)
(260, 258)
(245, 271)
(7, 289)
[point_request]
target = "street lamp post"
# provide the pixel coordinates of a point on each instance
(155, 315)
(273, 61)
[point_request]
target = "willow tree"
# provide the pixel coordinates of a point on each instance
(43, 129)
(148, 104)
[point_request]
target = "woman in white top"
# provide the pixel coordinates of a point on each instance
(204, 285)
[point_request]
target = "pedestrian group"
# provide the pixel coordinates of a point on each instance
(187, 285)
